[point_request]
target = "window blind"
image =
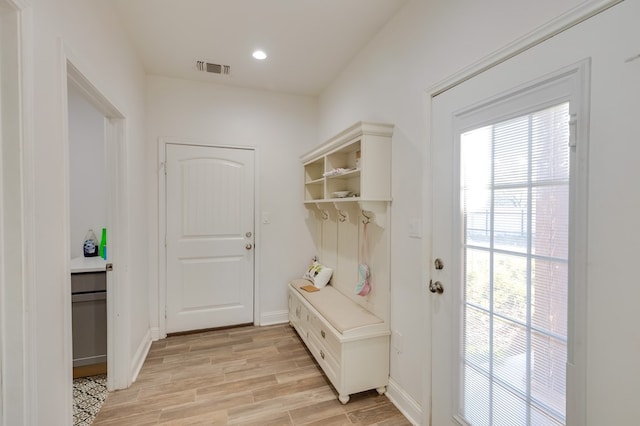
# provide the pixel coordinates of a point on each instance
(515, 201)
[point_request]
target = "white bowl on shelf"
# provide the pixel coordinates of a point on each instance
(341, 194)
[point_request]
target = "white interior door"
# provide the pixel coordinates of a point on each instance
(509, 224)
(210, 226)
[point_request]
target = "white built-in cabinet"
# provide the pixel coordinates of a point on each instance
(362, 156)
(347, 189)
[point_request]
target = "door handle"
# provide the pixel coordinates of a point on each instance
(436, 287)
(248, 246)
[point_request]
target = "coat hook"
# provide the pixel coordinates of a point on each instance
(325, 215)
(366, 219)
(343, 216)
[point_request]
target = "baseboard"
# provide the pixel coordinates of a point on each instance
(155, 334)
(403, 401)
(140, 356)
(90, 370)
(274, 317)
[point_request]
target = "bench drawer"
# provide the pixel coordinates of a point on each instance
(325, 335)
(298, 316)
(330, 365)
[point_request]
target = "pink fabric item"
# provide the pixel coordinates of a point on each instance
(364, 285)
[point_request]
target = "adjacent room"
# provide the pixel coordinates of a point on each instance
(323, 212)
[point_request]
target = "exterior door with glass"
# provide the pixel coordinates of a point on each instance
(513, 326)
(504, 167)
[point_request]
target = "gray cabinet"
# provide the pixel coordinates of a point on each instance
(89, 318)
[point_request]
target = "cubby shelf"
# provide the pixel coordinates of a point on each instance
(357, 161)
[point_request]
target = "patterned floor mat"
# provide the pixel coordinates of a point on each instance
(89, 394)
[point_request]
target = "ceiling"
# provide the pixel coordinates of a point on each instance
(308, 42)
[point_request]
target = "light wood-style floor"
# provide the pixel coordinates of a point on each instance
(241, 376)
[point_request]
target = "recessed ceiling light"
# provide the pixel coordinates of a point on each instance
(260, 55)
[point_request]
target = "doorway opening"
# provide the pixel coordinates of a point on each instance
(106, 153)
(88, 232)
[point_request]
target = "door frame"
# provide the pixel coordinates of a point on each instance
(563, 22)
(18, 396)
(160, 332)
(74, 72)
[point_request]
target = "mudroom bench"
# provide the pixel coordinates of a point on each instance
(350, 343)
(347, 195)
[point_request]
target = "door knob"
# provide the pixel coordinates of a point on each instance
(248, 246)
(435, 287)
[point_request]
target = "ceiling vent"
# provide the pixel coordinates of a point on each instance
(212, 68)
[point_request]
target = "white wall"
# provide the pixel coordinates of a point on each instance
(424, 43)
(87, 177)
(92, 36)
(281, 127)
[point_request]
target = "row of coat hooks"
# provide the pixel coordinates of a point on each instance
(367, 211)
(344, 216)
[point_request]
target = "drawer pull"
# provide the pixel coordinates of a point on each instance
(322, 354)
(298, 311)
(322, 333)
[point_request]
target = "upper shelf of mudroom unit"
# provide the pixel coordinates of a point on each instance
(353, 166)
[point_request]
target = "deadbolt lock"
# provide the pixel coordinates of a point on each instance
(435, 287)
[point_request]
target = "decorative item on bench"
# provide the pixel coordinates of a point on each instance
(309, 288)
(318, 273)
(364, 286)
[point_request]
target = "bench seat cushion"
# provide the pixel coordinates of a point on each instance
(341, 312)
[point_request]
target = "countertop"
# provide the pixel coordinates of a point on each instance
(88, 264)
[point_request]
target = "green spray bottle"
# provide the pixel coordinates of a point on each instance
(103, 244)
